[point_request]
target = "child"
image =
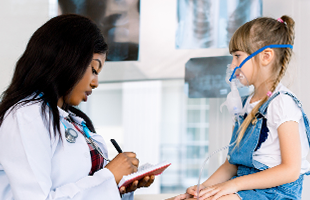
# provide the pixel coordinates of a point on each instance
(268, 158)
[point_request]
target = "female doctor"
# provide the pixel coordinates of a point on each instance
(48, 148)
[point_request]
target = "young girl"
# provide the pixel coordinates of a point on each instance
(267, 159)
(48, 148)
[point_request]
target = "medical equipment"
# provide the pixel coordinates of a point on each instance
(71, 134)
(233, 103)
(88, 138)
(204, 163)
(239, 78)
(86, 131)
(233, 75)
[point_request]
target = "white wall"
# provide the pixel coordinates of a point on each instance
(20, 18)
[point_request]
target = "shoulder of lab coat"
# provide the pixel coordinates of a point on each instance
(32, 162)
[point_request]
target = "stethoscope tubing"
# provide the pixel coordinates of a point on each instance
(88, 137)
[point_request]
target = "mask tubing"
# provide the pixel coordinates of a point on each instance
(238, 120)
(206, 160)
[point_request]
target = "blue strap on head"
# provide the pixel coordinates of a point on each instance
(257, 52)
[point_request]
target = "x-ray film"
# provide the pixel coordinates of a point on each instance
(206, 77)
(211, 23)
(119, 21)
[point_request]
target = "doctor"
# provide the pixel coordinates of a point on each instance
(48, 148)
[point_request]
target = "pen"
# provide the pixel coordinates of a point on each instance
(116, 146)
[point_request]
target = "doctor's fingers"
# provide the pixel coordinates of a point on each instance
(130, 154)
(134, 161)
(150, 181)
(146, 181)
(132, 187)
(132, 157)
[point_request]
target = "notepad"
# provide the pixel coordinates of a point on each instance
(144, 170)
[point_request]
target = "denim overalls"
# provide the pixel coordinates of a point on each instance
(242, 156)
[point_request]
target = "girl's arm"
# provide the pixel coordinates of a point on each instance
(225, 172)
(288, 171)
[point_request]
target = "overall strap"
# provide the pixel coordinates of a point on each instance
(263, 109)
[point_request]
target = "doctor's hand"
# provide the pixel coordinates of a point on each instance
(145, 182)
(123, 164)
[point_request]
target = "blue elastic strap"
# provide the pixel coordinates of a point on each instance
(257, 52)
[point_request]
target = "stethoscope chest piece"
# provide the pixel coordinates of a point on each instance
(71, 135)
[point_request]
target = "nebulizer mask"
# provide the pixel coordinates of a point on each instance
(237, 80)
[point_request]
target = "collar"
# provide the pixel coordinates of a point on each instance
(64, 114)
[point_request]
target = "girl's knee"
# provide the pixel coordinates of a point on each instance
(230, 197)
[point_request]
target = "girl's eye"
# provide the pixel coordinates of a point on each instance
(94, 71)
(237, 55)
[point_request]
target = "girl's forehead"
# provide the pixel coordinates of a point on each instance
(237, 52)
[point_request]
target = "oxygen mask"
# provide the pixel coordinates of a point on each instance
(235, 74)
(233, 102)
(236, 79)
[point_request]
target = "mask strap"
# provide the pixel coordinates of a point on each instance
(257, 52)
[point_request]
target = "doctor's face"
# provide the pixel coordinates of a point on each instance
(89, 81)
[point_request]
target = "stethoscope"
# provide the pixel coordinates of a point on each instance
(71, 135)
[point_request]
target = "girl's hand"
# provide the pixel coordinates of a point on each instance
(193, 190)
(182, 197)
(218, 190)
(190, 192)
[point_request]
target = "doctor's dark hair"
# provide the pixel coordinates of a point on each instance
(256, 34)
(55, 60)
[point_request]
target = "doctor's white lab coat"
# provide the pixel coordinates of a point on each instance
(37, 166)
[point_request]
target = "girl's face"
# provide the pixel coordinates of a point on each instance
(246, 70)
(89, 81)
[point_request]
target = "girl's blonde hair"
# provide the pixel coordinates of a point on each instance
(256, 34)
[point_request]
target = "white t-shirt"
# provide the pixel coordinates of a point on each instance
(281, 109)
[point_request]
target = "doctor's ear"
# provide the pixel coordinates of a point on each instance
(267, 56)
